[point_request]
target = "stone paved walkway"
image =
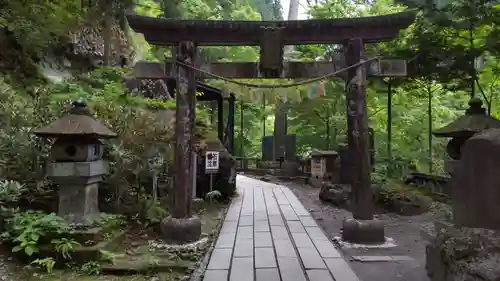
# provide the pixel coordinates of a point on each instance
(268, 235)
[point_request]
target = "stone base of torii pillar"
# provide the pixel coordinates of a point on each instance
(363, 231)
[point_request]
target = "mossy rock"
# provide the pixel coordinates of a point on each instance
(399, 199)
(145, 264)
(464, 254)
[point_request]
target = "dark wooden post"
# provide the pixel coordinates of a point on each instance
(230, 124)
(184, 126)
(389, 126)
(357, 132)
(220, 118)
(242, 108)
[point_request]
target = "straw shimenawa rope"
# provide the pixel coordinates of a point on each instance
(263, 86)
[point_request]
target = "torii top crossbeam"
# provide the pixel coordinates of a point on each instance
(160, 31)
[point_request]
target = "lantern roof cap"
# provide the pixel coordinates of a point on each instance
(474, 120)
(77, 123)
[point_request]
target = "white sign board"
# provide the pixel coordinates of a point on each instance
(212, 162)
(318, 167)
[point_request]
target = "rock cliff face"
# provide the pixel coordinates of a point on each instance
(80, 50)
(465, 254)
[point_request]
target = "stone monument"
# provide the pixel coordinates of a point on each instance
(476, 192)
(470, 249)
(77, 165)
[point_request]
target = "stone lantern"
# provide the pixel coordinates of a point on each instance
(77, 165)
(474, 121)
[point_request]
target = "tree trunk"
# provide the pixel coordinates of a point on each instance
(327, 145)
(389, 127)
(108, 17)
(328, 134)
(429, 118)
(242, 134)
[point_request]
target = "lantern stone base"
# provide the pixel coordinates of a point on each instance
(181, 230)
(363, 231)
(79, 204)
(78, 189)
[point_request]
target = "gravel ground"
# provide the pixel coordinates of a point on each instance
(9, 271)
(404, 230)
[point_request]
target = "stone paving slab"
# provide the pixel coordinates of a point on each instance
(268, 235)
(215, 275)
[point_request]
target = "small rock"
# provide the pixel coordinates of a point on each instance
(155, 278)
(337, 194)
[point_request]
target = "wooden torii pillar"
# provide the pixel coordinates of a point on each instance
(272, 36)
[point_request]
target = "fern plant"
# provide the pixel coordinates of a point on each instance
(213, 196)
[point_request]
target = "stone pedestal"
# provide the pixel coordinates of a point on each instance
(363, 231)
(79, 204)
(78, 189)
(181, 230)
(290, 169)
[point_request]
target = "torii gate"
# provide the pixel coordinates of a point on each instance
(272, 36)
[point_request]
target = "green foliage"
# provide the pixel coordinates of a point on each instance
(26, 229)
(152, 212)
(11, 191)
(46, 264)
(91, 268)
(65, 246)
(109, 221)
(110, 256)
(38, 34)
